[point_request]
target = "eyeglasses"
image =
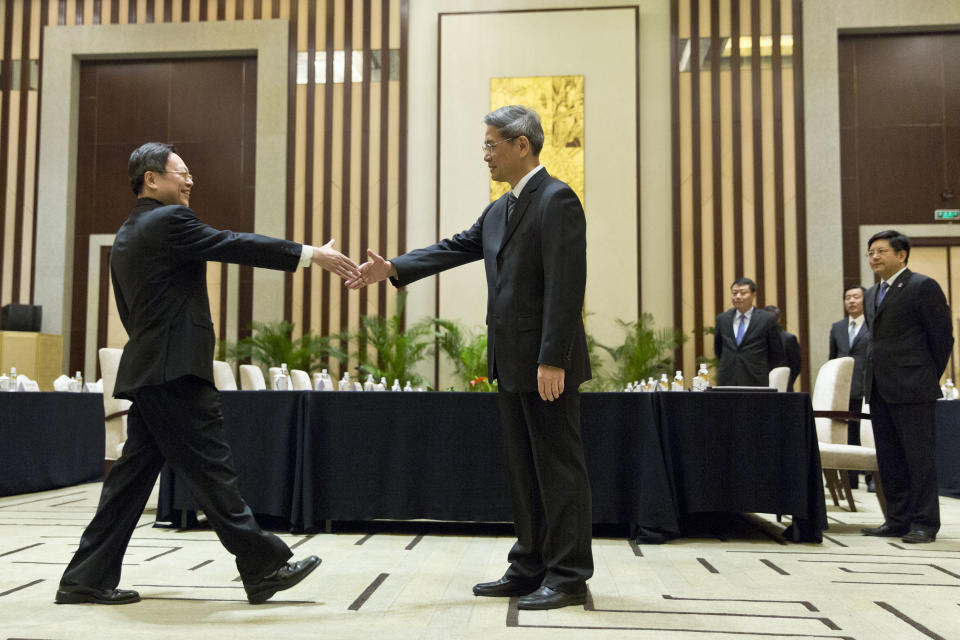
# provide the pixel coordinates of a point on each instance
(877, 252)
(487, 147)
(185, 174)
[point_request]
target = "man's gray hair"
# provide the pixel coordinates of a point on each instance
(513, 121)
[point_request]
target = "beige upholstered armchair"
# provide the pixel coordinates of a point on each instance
(251, 378)
(300, 380)
(223, 376)
(779, 378)
(831, 410)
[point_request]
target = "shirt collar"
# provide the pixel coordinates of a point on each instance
(858, 321)
(894, 276)
(746, 314)
(524, 180)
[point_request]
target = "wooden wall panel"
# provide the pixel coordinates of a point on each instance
(736, 97)
(345, 143)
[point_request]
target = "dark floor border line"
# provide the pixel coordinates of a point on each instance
(672, 630)
(189, 586)
(160, 555)
(363, 597)
(23, 586)
(60, 504)
(301, 541)
(29, 546)
(809, 606)
(143, 597)
(17, 504)
(360, 542)
(414, 542)
(827, 622)
(835, 541)
(910, 621)
(881, 573)
(635, 547)
(776, 537)
(202, 564)
(774, 567)
(897, 584)
(949, 573)
(840, 553)
(709, 567)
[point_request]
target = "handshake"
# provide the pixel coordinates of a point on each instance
(354, 276)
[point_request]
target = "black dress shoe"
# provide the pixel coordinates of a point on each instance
(503, 588)
(285, 577)
(916, 536)
(884, 531)
(547, 598)
(75, 594)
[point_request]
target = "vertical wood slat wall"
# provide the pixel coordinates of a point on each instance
(345, 175)
(738, 182)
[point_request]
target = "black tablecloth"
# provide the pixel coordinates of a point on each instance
(745, 452)
(948, 447)
(651, 457)
(49, 440)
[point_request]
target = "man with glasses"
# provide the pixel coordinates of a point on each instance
(533, 244)
(158, 266)
(911, 338)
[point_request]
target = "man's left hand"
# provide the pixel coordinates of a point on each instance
(549, 382)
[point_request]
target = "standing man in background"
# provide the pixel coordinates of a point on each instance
(791, 347)
(851, 337)
(158, 266)
(746, 340)
(911, 337)
(532, 241)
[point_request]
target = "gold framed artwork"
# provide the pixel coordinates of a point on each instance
(559, 101)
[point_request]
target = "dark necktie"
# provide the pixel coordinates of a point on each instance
(883, 291)
(511, 203)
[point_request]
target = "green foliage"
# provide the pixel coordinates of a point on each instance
(645, 352)
(272, 344)
(467, 352)
(398, 350)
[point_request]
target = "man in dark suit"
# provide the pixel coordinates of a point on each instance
(533, 244)
(911, 338)
(851, 337)
(158, 266)
(746, 340)
(791, 346)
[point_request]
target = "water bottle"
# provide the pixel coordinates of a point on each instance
(949, 390)
(382, 385)
(4, 382)
(281, 382)
(76, 384)
(677, 384)
(396, 385)
(702, 379)
(13, 379)
(345, 383)
(408, 387)
(663, 384)
(369, 384)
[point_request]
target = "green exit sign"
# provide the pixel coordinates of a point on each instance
(946, 214)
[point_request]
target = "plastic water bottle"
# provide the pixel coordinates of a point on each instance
(408, 387)
(369, 384)
(677, 384)
(345, 383)
(13, 379)
(702, 379)
(949, 390)
(381, 386)
(396, 385)
(281, 381)
(663, 384)
(4, 382)
(76, 384)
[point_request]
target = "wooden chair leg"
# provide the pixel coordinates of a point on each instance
(845, 481)
(828, 475)
(880, 497)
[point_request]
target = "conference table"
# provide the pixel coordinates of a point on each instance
(49, 440)
(306, 458)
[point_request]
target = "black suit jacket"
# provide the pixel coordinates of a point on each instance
(536, 268)
(840, 347)
(750, 362)
(793, 359)
(911, 338)
(158, 266)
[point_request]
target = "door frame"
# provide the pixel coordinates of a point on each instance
(63, 49)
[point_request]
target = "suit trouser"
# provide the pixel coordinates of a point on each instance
(180, 422)
(549, 490)
(905, 435)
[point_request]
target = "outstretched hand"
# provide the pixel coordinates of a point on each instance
(334, 261)
(374, 270)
